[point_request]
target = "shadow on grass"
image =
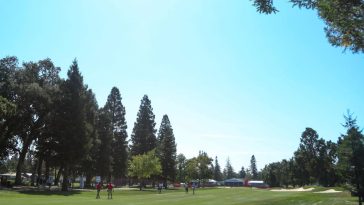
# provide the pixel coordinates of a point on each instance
(48, 193)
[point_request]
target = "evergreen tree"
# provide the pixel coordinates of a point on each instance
(71, 138)
(253, 167)
(167, 149)
(89, 164)
(229, 170)
(143, 137)
(116, 110)
(217, 170)
(242, 172)
(105, 158)
(350, 154)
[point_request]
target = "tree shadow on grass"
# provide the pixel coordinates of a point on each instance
(49, 193)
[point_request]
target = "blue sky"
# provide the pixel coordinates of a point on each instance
(233, 82)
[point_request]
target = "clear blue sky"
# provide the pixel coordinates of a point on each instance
(233, 82)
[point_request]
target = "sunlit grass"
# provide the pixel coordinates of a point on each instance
(214, 196)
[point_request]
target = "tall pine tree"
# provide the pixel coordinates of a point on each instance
(105, 159)
(253, 167)
(73, 142)
(229, 170)
(116, 110)
(143, 137)
(167, 149)
(350, 156)
(88, 165)
(217, 170)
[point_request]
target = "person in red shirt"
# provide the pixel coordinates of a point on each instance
(98, 188)
(109, 190)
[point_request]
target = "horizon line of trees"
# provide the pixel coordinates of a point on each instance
(53, 125)
(321, 162)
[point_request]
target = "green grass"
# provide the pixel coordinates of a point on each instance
(241, 196)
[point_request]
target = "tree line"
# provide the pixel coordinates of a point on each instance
(320, 162)
(49, 124)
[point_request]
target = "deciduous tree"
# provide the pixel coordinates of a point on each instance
(144, 166)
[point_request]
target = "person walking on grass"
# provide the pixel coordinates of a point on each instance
(109, 190)
(193, 188)
(186, 187)
(98, 189)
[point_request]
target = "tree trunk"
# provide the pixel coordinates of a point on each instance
(359, 193)
(22, 155)
(34, 170)
(39, 169)
(88, 181)
(47, 168)
(58, 176)
(65, 182)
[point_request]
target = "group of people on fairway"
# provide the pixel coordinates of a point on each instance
(109, 187)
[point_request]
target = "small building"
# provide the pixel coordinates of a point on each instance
(234, 182)
(257, 184)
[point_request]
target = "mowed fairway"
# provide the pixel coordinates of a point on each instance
(218, 196)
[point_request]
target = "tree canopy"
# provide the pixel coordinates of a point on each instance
(167, 149)
(143, 137)
(145, 165)
(344, 19)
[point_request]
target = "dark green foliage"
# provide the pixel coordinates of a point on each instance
(229, 170)
(204, 165)
(88, 165)
(8, 67)
(199, 167)
(144, 166)
(217, 170)
(308, 152)
(7, 110)
(315, 159)
(350, 155)
(105, 159)
(344, 19)
(143, 137)
(265, 6)
(181, 167)
(242, 172)
(253, 167)
(192, 171)
(33, 87)
(278, 174)
(116, 110)
(314, 162)
(167, 149)
(327, 158)
(72, 137)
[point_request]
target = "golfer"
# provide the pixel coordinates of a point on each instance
(98, 188)
(109, 190)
